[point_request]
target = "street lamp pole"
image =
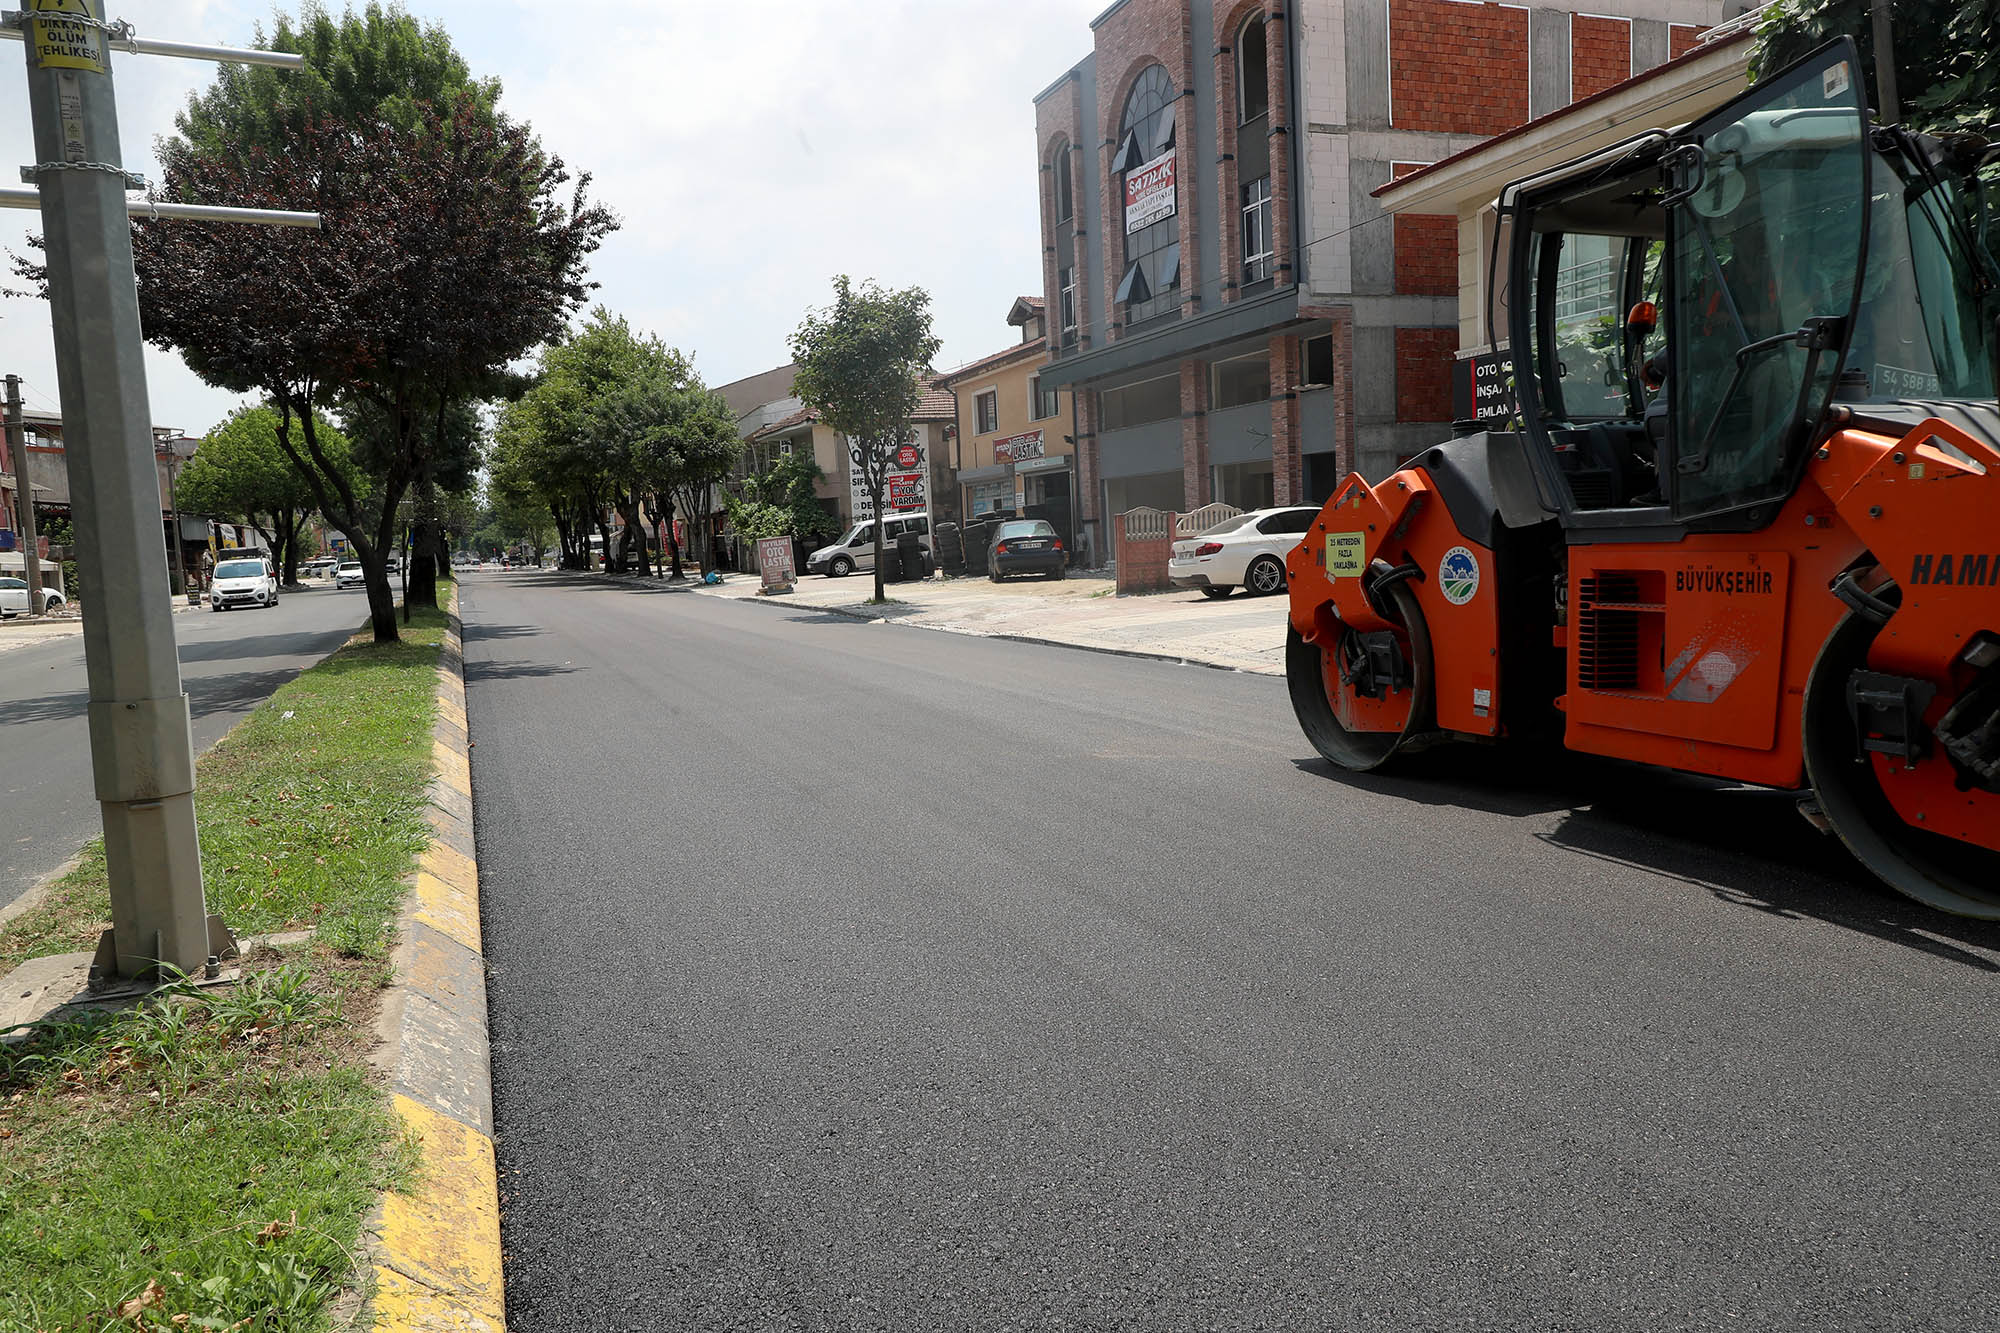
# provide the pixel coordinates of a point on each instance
(141, 747)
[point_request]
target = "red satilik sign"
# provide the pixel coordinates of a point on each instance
(1149, 192)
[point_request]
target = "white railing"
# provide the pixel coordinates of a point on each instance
(1204, 518)
(1148, 524)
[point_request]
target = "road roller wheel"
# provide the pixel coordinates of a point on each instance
(1936, 871)
(1353, 715)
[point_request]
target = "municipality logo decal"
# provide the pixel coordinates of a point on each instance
(1458, 575)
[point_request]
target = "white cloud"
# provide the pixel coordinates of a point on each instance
(752, 154)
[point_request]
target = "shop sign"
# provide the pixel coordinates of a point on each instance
(1482, 387)
(1149, 193)
(904, 488)
(1055, 464)
(774, 561)
(1018, 448)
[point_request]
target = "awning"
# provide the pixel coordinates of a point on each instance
(994, 473)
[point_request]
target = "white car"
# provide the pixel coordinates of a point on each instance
(319, 568)
(1247, 551)
(14, 598)
(245, 582)
(856, 547)
(349, 575)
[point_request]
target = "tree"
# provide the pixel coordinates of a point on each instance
(239, 473)
(861, 365)
(782, 501)
(683, 442)
(1946, 77)
(447, 252)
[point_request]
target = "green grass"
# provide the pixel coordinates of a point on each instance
(210, 1153)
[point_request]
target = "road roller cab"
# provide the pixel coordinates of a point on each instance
(1743, 523)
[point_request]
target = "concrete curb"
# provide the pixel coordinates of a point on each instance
(436, 1249)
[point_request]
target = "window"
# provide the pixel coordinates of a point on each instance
(1291, 520)
(1025, 528)
(1146, 172)
(1257, 252)
(1253, 79)
(1043, 397)
(986, 412)
(1318, 359)
(1247, 379)
(1137, 404)
(1064, 186)
(1067, 278)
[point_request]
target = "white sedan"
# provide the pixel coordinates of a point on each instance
(14, 597)
(1247, 551)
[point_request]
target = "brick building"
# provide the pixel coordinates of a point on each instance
(1240, 319)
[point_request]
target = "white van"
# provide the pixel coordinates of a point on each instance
(856, 547)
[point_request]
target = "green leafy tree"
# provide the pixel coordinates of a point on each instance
(1946, 76)
(861, 365)
(782, 501)
(242, 475)
(683, 444)
(453, 245)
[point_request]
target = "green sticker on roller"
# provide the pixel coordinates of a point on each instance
(1344, 554)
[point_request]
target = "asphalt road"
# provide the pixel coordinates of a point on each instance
(230, 663)
(851, 976)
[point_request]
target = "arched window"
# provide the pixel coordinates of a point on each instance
(1253, 150)
(1145, 169)
(1065, 187)
(1253, 75)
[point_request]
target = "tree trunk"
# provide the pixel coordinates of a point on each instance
(875, 484)
(381, 599)
(289, 523)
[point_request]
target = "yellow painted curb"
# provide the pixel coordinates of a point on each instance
(436, 1248)
(439, 1263)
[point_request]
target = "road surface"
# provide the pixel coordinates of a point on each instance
(230, 663)
(852, 976)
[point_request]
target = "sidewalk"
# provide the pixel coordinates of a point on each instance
(1240, 633)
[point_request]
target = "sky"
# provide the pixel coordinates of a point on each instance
(751, 153)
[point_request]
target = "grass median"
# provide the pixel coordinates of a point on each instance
(203, 1161)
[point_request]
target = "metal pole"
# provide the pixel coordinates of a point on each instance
(31, 545)
(1885, 64)
(27, 196)
(141, 754)
(174, 517)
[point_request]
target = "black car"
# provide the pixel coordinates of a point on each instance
(1025, 546)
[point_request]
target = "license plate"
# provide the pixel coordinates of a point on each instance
(1032, 546)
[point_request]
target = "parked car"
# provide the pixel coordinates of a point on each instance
(14, 598)
(243, 582)
(319, 567)
(1026, 546)
(1247, 551)
(856, 547)
(349, 575)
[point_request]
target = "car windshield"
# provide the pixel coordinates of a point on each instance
(1228, 525)
(1029, 528)
(354, 565)
(240, 569)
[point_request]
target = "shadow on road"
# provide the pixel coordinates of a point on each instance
(1747, 847)
(481, 633)
(482, 671)
(641, 584)
(45, 708)
(261, 645)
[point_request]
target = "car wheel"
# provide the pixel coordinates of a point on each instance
(1219, 593)
(1056, 575)
(1265, 576)
(839, 567)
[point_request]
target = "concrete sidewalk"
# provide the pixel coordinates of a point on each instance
(1241, 633)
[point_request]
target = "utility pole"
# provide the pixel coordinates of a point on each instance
(174, 517)
(1885, 63)
(142, 754)
(31, 545)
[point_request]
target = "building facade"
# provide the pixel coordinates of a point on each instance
(1014, 448)
(1239, 317)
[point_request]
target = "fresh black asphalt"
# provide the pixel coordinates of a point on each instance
(230, 663)
(851, 976)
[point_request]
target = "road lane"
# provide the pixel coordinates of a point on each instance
(853, 976)
(230, 663)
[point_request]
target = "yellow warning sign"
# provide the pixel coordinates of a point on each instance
(1344, 552)
(64, 43)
